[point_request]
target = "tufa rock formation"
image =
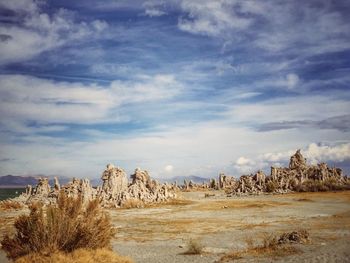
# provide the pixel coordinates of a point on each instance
(298, 176)
(114, 192)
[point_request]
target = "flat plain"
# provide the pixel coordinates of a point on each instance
(228, 229)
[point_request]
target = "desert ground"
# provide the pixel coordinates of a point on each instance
(230, 226)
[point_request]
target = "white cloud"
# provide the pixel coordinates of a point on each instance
(321, 153)
(275, 26)
(205, 150)
(247, 95)
(211, 18)
(169, 168)
(146, 89)
(37, 31)
(154, 12)
(314, 153)
(243, 161)
(292, 80)
(25, 98)
(244, 165)
(306, 29)
(297, 108)
(20, 5)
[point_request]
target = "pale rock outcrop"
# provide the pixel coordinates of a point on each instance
(286, 179)
(114, 192)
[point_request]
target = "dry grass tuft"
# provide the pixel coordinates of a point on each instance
(78, 256)
(133, 203)
(64, 227)
(304, 200)
(330, 184)
(302, 236)
(10, 205)
(178, 202)
(194, 247)
(271, 186)
(171, 202)
(271, 246)
(231, 256)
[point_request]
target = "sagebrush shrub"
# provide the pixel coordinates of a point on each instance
(65, 226)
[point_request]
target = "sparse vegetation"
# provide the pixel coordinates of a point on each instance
(330, 184)
(304, 200)
(133, 203)
(271, 186)
(9, 205)
(271, 245)
(194, 247)
(64, 227)
(81, 255)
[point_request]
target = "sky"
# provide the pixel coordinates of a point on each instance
(176, 87)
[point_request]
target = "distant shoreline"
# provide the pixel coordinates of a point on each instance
(12, 186)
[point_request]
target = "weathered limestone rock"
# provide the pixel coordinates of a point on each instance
(226, 182)
(57, 186)
(286, 179)
(148, 190)
(43, 187)
(114, 180)
(297, 161)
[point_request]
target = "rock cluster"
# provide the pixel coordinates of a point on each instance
(284, 179)
(298, 176)
(114, 192)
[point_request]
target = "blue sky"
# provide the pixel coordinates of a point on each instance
(178, 87)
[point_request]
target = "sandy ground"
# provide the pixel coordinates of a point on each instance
(226, 224)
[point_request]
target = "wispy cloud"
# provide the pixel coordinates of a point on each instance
(177, 87)
(28, 99)
(36, 31)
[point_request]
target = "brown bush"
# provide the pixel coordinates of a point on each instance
(63, 227)
(271, 246)
(271, 186)
(9, 205)
(133, 203)
(330, 184)
(194, 247)
(78, 256)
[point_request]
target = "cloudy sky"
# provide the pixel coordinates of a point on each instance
(177, 87)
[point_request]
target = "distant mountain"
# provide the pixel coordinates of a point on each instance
(96, 182)
(180, 179)
(23, 181)
(9, 181)
(17, 181)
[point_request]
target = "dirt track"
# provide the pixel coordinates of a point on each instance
(223, 225)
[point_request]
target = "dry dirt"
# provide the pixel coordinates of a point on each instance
(227, 225)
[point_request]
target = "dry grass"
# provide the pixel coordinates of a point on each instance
(304, 200)
(10, 205)
(208, 195)
(63, 227)
(78, 256)
(270, 246)
(171, 202)
(133, 203)
(271, 186)
(329, 184)
(137, 203)
(194, 247)
(236, 204)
